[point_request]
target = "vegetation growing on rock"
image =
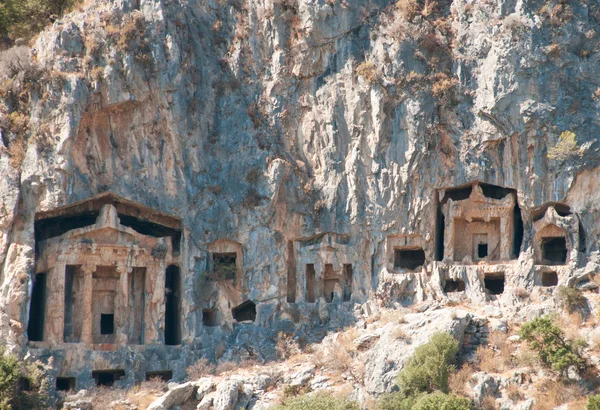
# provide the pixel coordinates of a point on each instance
(423, 381)
(317, 402)
(551, 345)
(25, 18)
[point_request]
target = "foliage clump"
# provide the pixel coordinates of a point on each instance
(593, 403)
(553, 349)
(317, 402)
(424, 379)
(565, 147)
(368, 70)
(571, 298)
(25, 18)
(424, 401)
(12, 376)
(430, 366)
(20, 78)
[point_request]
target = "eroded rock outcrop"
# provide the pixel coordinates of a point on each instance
(310, 150)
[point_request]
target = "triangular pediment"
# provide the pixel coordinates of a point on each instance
(104, 234)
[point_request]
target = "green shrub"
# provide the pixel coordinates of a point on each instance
(317, 402)
(430, 366)
(565, 147)
(572, 299)
(552, 347)
(593, 402)
(424, 401)
(441, 401)
(25, 18)
(11, 373)
(396, 401)
(9, 380)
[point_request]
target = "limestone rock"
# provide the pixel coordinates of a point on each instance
(176, 395)
(227, 395)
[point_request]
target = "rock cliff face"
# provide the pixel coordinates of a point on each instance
(328, 133)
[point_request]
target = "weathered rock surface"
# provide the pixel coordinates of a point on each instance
(175, 396)
(315, 132)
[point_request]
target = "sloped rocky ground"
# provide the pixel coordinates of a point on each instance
(495, 368)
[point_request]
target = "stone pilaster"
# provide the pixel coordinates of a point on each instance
(88, 284)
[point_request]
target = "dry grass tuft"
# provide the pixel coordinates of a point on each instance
(489, 403)
(553, 393)
(513, 392)
(338, 357)
(486, 360)
(460, 379)
(571, 324)
(368, 70)
(200, 369)
(145, 393)
(100, 396)
(399, 334)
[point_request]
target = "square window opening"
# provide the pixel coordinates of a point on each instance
(164, 375)
(107, 324)
(549, 279)
(482, 250)
(107, 377)
(224, 266)
(65, 383)
(410, 259)
(209, 317)
(495, 284)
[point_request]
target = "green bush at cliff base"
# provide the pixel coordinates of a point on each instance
(593, 402)
(430, 366)
(317, 402)
(551, 345)
(424, 401)
(424, 379)
(9, 380)
(25, 18)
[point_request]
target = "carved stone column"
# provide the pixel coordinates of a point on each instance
(122, 306)
(449, 231)
(155, 309)
(55, 304)
(88, 284)
(506, 236)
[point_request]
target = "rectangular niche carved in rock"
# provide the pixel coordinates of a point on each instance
(480, 245)
(224, 266)
(454, 285)
(107, 377)
(172, 306)
(410, 259)
(330, 281)
(246, 312)
(104, 293)
(137, 305)
(477, 239)
(494, 283)
(291, 276)
(37, 308)
(347, 282)
(164, 375)
(310, 283)
(549, 279)
(65, 383)
(554, 250)
(73, 304)
(209, 317)
(107, 324)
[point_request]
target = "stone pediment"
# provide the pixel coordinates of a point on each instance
(106, 230)
(479, 206)
(105, 234)
(327, 242)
